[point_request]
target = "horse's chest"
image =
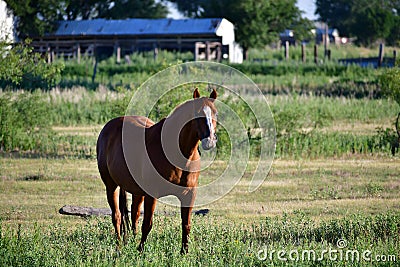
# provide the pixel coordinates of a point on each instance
(172, 173)
(184, 178)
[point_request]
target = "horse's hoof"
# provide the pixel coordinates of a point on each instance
(118, 245)
(140, 247)
(184, 250)
(117, 252)
(125, 241)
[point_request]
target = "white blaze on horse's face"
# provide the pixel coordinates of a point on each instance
(211, 141)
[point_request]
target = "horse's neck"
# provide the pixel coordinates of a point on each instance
(188, 142)
(153, 132)
(178, 125)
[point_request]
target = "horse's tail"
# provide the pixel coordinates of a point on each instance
(123, 208)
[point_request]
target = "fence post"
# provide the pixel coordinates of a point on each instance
(208, 51)
(48, 54)
(118, 53)
(94, 70)
(381, 52)
(155, 53)
(394, 57)
(287, 50)
(303, 53)
(78, 53)
(95, 64)
(196, 51)
(326, 40)
(316, 54)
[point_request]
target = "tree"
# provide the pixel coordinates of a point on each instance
(84, 9)
(135, 9)
(20, 67)
(368, 20)
(109, 9)
(34, 17)
(257, 22)
(374, 20)
(37, 17)
(394, 35)
(302, 28)
(336, 13)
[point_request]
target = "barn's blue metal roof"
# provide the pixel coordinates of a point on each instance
(138, 27)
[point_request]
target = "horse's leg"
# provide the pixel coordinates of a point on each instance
(113, 201)
(135, 211)
(113, 192)
(185, 216)
(149, 206)
(123, 208)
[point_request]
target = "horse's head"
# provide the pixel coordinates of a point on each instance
(205, 119)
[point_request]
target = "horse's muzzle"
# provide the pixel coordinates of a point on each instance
(209, 143)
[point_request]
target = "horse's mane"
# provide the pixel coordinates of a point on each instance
(180, 107)
(202, 100)
(155, 129)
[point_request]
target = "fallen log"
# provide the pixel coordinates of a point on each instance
(84, 211)
(90, 211)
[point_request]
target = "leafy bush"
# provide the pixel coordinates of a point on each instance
(390, 82)
(20, 67)
(23, 121)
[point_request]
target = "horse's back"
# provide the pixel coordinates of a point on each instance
(112, 131)
(110, 153)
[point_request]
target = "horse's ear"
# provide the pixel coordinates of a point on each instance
(196, 93)
(213, 94)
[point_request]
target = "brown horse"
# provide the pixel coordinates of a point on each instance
(151, 160)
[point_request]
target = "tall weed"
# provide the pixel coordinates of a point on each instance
(24, 121)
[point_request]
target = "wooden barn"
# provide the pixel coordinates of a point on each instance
(208, 39)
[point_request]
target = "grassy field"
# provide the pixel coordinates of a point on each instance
(67, 122)
(303, 204)
(315, 198)
(331, 197)
(322, 189)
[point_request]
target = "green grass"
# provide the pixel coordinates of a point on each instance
(265, 66)
(332, 178)
(327, 126)
(214, 242)
(347, 185)
(302, 205)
